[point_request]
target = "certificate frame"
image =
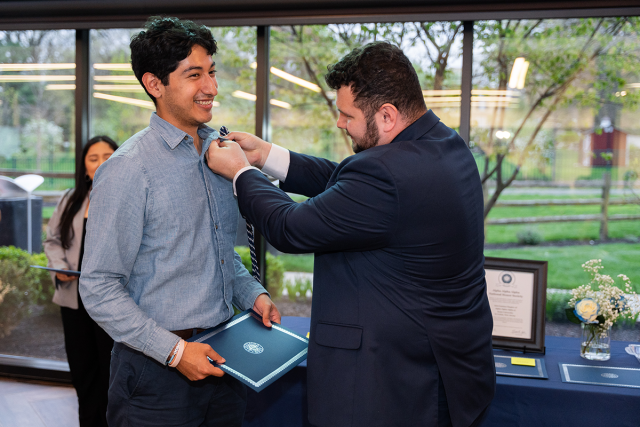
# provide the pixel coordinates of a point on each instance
(534, 344)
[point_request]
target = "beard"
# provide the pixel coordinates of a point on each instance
(369, 139)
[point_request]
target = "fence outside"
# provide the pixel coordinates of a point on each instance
(568, 166)
(57, 170)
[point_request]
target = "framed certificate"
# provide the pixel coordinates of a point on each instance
(517, 291)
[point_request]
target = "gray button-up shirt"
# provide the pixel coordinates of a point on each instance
(159, 248)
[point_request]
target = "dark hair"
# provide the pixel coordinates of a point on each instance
(379, 73)
(163, 44)
(79, 193)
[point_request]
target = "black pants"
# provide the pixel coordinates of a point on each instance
(89, 353)
(145, 393)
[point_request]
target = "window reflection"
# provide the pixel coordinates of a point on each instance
(37, 83)
(554, 103)
(299, 57)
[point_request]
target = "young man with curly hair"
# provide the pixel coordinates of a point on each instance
(159, 264)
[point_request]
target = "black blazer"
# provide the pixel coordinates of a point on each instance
(399, 292)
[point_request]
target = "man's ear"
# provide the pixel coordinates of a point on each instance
(388, 117)
(153, 85)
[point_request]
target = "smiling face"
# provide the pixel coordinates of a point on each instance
(97, 154)
(363, 131)
(187, 100)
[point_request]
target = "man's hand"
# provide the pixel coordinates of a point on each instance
(267, 309)
(194, 363)
(64, 278)
(256, 149)
(226, 158)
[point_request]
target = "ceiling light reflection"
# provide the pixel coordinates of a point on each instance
(113, 67)
(16, 78)
(251, 97)
(115, 79)
(60, 87)
(291, 78)
(280, 104)
(124, 100)
(36, 67)
(518, 73)
(119, 88)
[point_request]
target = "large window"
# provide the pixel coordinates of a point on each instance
(555, 104)
(303, 110)
(120, 107)
(554, 107)
(37, 78)
(302, 106)
(37, 81)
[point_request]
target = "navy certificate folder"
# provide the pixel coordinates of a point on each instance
(255, 354)
(600, 375)
(506, 368)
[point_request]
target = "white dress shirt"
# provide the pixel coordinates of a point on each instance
(276, 165)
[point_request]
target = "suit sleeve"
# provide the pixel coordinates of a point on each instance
(307, 175)
(358, 212)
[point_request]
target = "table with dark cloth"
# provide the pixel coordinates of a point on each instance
(521, 402)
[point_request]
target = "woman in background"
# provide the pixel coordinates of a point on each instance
(88, 346)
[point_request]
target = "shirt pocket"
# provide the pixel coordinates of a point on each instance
(348, 337)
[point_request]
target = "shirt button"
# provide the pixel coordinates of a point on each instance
(221, 261)
(216, 226)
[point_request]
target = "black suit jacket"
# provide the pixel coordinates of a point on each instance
(399, 293)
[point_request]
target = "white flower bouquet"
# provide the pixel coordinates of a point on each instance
(606, 304)
(598, 309)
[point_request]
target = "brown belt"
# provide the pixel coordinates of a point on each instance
(185, 334)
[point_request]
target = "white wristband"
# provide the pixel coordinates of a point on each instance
(181, 345)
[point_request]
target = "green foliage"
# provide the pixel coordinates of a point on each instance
(573, 64)
(27, 106)
(275, 275)
(529, 236)
(302, 263)
(607, 157)
(565, 271)
(275, 270)
(29, 286)
(571, 315)
(298, 288)
(557, 302)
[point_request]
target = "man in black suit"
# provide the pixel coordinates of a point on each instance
(400, 321)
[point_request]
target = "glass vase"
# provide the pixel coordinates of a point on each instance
(595, 343)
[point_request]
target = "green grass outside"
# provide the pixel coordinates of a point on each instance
(47, 212)
(508, 196)
(554, 231)
(302, 263)
(565, 262)
(530, 211)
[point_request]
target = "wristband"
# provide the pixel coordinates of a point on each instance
(174, 352)
(181, 346)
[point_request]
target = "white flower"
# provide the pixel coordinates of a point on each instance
(587, 310)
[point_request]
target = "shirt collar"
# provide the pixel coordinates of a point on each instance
(418, 128)
(174, 136)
